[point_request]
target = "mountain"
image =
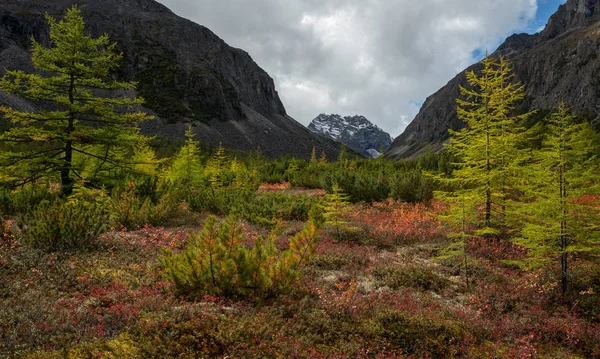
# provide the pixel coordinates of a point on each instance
(184, 71)
(356, 132)
(561, 63)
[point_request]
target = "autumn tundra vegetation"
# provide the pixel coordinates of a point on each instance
(116, 245)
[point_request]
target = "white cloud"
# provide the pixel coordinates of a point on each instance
(377, 58)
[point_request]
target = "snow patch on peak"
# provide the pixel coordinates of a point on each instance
(356, 132)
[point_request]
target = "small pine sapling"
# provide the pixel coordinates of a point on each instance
(186, 170)
(216, 261)
(335, 207)
(323, 159)
(313, 156)
(216, 168)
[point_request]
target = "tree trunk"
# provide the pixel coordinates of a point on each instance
(65, 173)
(488, 184)
(564, 240)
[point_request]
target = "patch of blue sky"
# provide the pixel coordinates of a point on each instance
(545, 9)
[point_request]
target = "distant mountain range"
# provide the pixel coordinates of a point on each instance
(356, 132)
(561, 63)
(185, 72)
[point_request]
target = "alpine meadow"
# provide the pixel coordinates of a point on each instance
(162, 227)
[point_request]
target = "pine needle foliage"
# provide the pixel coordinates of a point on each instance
(323, 158)
(81, 123)
(561, 203)
(335, 207)
(216, 261)
(217, 169)
(74, 224)
(486, 149)
(313, 156)
(186, 170)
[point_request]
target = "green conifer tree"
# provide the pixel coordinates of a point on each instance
(186, 170)
(217, 262)
(216, 168)
(343, 156)
(323, 158)
(313, 156)
(81, 123)
(560, 210)
(335, 207)
(486, 148)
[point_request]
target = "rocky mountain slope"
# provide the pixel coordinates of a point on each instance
(561, 63)
(185, 73)
(356, 132)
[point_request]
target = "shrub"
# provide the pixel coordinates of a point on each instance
(586, 285)
(264, 209)
(282, 206)
(219, 201)
(73, 224)
(130, 211)
(25, 199)
(412, 187)
(360, 186)
(216, 262)
(419, 336)
(413, 277)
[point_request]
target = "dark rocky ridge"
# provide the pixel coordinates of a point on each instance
(356, 132)
(558, 64)
(184, 71)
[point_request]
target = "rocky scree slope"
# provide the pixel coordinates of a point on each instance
(356, 132)
(184, 71)
(561, 63)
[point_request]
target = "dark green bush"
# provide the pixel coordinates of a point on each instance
(217, 262)
(263, 209)
(412, 277)
(309, 176)
(359, 186)
(419, 336)
(130, 211)
(24, 199)
(412, 186)
(74, 224)
(219, 201)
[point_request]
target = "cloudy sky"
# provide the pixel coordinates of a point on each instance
(377, 58)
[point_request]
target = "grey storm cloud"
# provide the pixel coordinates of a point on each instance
(377, 58)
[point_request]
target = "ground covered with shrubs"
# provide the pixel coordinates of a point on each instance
(384, 288)
(112, 249)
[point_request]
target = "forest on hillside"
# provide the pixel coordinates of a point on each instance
(118, 245)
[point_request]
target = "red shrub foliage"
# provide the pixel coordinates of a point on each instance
(397, 222)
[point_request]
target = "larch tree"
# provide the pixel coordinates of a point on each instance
(313, 156)
(486, 148)
(79, 122)
(335, 208)
(186, 170)
(561, 203)
(216, 168)
(323, 158)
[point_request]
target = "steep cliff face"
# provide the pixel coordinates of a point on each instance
(184, 71)
(356, 132)
(559, 64)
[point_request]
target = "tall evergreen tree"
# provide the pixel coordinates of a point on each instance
(561, 195)
(81, 123)
(486, 147)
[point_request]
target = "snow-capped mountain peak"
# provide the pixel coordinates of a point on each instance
(356, 132)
